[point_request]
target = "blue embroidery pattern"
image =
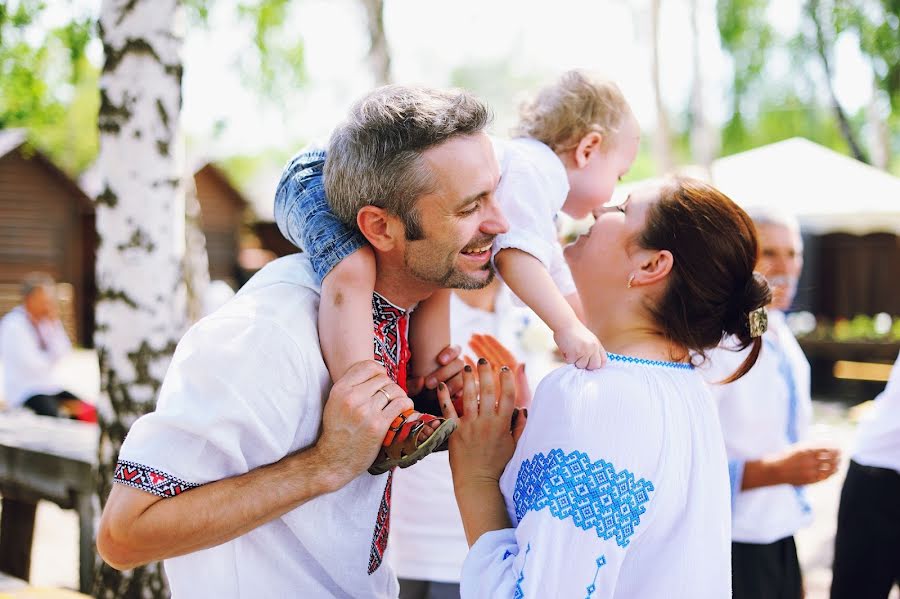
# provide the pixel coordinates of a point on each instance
(632, 360)
(601, 561)
(519, 594)
(593, 494)
(784, 368)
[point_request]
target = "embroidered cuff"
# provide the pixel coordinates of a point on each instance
(736, 477)
(149, 480)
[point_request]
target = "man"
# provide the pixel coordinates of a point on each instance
(764, 417)
(32, 341)
(242, 480)
(866, 556)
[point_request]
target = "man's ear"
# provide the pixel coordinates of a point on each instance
(589, 144)
(381, 229)
(654, 268)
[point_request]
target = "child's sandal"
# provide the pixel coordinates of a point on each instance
(400, 447)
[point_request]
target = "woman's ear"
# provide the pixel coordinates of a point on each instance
(655, 267)
(589, 144)
(379, 228)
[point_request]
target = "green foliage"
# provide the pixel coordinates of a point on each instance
(877, 24)
(782, 115)
(47, 84)
(277, 66)
(879, 328)
(746, 35)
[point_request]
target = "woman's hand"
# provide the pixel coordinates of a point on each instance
(489, 347)
(482, 445)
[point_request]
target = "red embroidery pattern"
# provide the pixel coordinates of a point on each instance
(149, 479)
(392, 350)
(382, 527)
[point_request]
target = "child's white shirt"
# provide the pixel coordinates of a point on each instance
(533, 188)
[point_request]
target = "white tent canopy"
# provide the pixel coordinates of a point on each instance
(827, 191)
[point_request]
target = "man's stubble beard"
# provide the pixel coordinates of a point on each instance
(448, 276)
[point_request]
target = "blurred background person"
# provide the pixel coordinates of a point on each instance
(32, 342)
(867, 544)
(429, 544)
(765, 416)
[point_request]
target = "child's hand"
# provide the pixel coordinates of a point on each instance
(579, 346)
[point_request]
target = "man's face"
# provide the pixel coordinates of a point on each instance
(780, 261)
(460, 218)
(40, 304)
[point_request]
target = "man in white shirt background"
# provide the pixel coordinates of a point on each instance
(765, 416)
(32, 342)
(867, 544)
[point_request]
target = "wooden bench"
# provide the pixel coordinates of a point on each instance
(52, 459)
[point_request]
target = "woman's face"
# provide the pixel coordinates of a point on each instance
(603, 259)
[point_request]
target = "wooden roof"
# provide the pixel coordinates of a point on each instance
(16, 140)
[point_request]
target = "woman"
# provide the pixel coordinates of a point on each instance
(618, 487)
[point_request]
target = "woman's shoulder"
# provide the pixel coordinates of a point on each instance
(610, 383)
(616, 400)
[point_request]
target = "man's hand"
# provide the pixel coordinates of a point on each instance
(806, 465)
(449, 373)
(360, 408)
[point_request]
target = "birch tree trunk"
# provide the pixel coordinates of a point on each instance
(141, 306)
(196, 259)
(379, 54)
(703, 145)
(662, 138)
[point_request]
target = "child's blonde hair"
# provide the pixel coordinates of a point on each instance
(578, 103)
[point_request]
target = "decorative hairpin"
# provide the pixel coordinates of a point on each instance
(759, 322)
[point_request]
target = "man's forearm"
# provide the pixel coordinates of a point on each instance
(760, 473)
(138, 528)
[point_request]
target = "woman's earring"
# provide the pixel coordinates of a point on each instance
(630, 281)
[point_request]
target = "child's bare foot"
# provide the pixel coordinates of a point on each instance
(412, 436)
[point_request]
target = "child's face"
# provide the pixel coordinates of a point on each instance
(592, 185)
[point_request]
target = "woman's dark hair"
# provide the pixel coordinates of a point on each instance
(712, 287)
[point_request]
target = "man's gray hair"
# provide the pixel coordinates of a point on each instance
(770, 215)
(375, 156)
(37, 280)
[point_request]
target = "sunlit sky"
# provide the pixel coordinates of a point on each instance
(429, 39)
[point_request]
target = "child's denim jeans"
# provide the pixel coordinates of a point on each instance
(305, 218)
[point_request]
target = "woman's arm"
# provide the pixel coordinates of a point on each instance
(482, 446)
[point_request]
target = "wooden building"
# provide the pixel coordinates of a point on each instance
(224, 211)
(47, 225)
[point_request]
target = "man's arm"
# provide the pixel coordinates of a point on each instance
(137, 528)
(799, 465)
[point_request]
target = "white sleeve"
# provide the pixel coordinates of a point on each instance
(530, 200)
(584, 493)
(232, 400)
(58, 343)
(21, 353)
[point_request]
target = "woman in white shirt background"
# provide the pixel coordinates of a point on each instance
(428, 544)
(618, 485)
(765, 417)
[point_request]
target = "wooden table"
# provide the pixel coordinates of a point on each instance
(52, 459)
(15, 588)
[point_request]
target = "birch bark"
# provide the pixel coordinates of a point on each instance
(141, 309)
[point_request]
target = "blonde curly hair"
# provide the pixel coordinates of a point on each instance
(578, 103)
